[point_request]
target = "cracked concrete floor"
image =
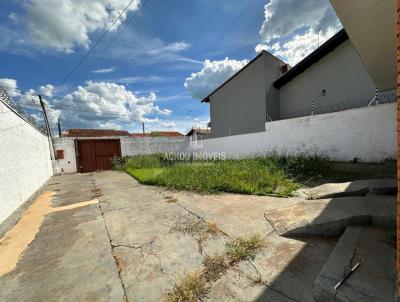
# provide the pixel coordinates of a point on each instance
(127, 246)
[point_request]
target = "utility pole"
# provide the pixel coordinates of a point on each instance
(46, 121)
(59, 128)
(143, 127)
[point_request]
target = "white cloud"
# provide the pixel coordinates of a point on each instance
(11, 86)
(301, 24)
(13, 16)
(285, 17)
(64, 25)
(112, 102)
(298, 47)
(104, 70)
(146, 50)
(169, 125)
(212, 75)
(170, 48)
(46, 90)
(146, 79)
(95, 104)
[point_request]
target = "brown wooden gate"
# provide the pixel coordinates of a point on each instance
(96, 155)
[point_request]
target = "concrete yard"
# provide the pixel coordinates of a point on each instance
(104, 237)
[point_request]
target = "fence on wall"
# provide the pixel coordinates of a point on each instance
(318, 108)
(19, 110)
(366, 134)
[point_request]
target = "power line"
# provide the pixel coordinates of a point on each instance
(111, 43)
(105, 32)
(76, 109)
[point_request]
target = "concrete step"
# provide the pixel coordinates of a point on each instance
(330, 217)
(373, 280)
(352, 188)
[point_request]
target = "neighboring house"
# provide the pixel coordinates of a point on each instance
(241, 104)
(199, 133)
(332, 78)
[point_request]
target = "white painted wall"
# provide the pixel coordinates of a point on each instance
(147, 145)
(68, 164)
(366, 133)
(25, 163)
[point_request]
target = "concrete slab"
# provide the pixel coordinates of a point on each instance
(69, 259)
(330, 217)
(352, 188)
(375, 278)
(151, 271)
(133, 244)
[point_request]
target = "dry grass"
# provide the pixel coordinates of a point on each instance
(214, 267)
(212, 228)
(244, 248)
(170, 199)
(191, 289)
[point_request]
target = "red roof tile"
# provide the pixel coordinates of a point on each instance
(94, 133)
(166, 133)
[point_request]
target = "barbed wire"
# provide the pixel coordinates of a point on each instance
(318, 109)
(6, 99)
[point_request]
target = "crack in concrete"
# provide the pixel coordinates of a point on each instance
(117, 264)
(260, 281)
(140, 245)
(199, 217)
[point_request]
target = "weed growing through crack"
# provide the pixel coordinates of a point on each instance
(212, 228)
(192, 288)
(214, 267)
(198, 228)
(244, 248)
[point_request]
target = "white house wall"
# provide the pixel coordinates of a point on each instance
(68, 163)
(368, 134)
(25, 163)
(341, 74)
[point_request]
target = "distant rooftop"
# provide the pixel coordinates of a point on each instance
(111, 132)
(95, 133)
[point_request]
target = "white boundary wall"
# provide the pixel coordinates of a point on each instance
(25, 163)
(150, 145)
(368, 134)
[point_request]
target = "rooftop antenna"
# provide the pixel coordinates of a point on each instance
(319, 30)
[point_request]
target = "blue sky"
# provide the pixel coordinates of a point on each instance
(170, 54)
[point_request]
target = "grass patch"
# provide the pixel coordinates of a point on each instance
(244, 248)
(268, 175)
(192, 288)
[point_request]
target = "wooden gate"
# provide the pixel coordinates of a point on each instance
(96, 155)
